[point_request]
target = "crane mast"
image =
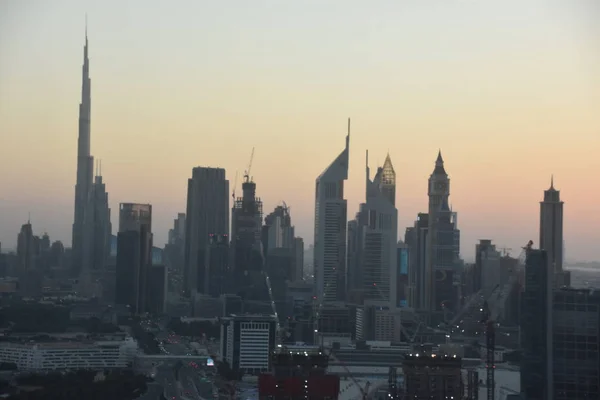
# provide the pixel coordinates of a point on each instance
(247, 177)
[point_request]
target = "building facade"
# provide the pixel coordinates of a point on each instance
(536, 328)
(416, 238)
(576, 344)
(247, 342)
(69, 355)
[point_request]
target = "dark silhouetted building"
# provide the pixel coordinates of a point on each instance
(576, 344)
(85, 165)
(156, 289)
(431, 376)
(536, 328)
(101, 227)
(215, 269)
(437, 271)
(416, 240)
(402, 282)
(134, 255)
(26, 248)
(207, 214)
(299, 256)
(249, 276)
(551, 233)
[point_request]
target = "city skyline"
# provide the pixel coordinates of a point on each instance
(178, 136)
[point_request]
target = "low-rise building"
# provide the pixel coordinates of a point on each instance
(61, 355)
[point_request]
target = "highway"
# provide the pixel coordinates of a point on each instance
(195, 381)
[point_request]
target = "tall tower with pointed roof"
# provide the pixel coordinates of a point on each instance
(438, 192)
(551, 228)
(387, 181)
(330, 229)
(85, 161)
(378, 238)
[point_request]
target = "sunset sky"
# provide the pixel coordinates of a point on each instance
(508, 90)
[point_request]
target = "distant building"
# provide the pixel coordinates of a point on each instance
(416, 238)
(98, 213)
(26, 248)
(487, 263)
(330, 229)
(299, 258)
(443, 252)
(551, 233)
(207, 214)
(156, 288)
(134, 255)
(375, 270)
(278, 242)
(247, 342)
(403, 289)
(215, 272)
(177, 234)
(249, 279)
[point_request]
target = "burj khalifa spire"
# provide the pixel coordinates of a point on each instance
(85, 162)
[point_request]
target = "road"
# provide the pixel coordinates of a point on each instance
(194, 383)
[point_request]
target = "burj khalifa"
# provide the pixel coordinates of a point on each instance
(85, 162)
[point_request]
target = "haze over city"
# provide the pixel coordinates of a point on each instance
(507, 90)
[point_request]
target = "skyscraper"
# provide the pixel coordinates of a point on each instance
(438, 192)
(330, 228)
(134, 255)
(536, 328)
(416, 237)
(207, 214)
(378, 239)
(386, 179)
(25, 248)
(249, 276)
(85, 161)
(551, 231)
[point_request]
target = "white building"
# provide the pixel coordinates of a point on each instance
(330, 229)
(69, 355)
(247, 342)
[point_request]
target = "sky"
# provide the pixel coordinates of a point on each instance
(508, 90)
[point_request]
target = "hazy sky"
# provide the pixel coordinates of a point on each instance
(509, 90)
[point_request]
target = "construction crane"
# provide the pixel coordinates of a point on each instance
(247, 177)
(505, 251)
(234, 186)
(286, 209)
(489, 319)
